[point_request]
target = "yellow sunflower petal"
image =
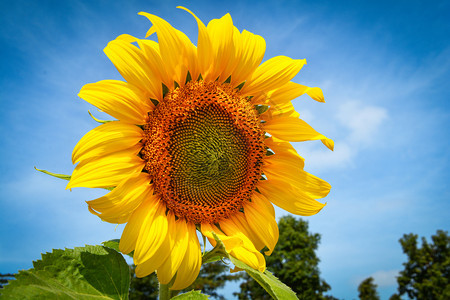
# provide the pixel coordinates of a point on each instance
(119, 99)
(190, 266)
(234, 57)
(315, 93)
(285, 153)
(204, 45)
(280, 111)
(289, 198)
(263, 200)
(132, 64)
(286, 93)
(295, 130)
(152, 235)
(176, 49)
(120, 203)
(237, 244)
(252, 259)
(105, 139)
(251, 53)
(262, 222)
(221, 35)
(154, 61)
(131, 232)
(238, 223)
(108, 170)
(159, 253)
(170, 266)
(292, 90)
(273, 73)
(231, 242)
(306, 182)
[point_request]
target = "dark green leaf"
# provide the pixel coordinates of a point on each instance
(239, 87)
(65, 177)
(212, 259)
(90, 272)
(261, 108)
(60, 176)
(188, 77)
(165, 90)
(114, 244)
(228, 80)
(97, 120)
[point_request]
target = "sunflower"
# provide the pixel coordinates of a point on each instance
(200, 142)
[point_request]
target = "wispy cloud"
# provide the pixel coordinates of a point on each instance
(357, 125)
(382, 278)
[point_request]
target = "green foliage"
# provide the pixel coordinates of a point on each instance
(192, 295)
(427, 271)
(97, 120)
(64, 177)
(395, 297)
(143, 288)
(368, 290)
(114, 244)
(60, 176)
(90, 272)
(294, 262)
(266, 280)
(4, 278)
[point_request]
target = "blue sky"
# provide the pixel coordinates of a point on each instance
(384, 68)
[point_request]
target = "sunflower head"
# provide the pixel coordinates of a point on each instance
(204, 150)
(201, 140)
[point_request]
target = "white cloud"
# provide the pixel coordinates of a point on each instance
(386, 278)
(362, 121)
(320, 157)
(382, 278)
(355, 127)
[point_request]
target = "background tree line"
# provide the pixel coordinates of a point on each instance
(425, 275)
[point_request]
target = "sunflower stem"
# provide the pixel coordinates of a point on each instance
(164, 292)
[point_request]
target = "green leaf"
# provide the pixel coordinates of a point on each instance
(114, 244)
(90, 272)
(60, 176)
(212, 259)
(261, 108)
(267, 280)
(97, 120)
(63, 176)
(192, 295)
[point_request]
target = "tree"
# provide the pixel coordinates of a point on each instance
(395, 297)
(4, 278)
(427, 271)
(368, 290)
(143, 288)
(211, 277)
(294, 262)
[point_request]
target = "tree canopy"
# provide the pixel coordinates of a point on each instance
(427, 271)
(367, 290)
